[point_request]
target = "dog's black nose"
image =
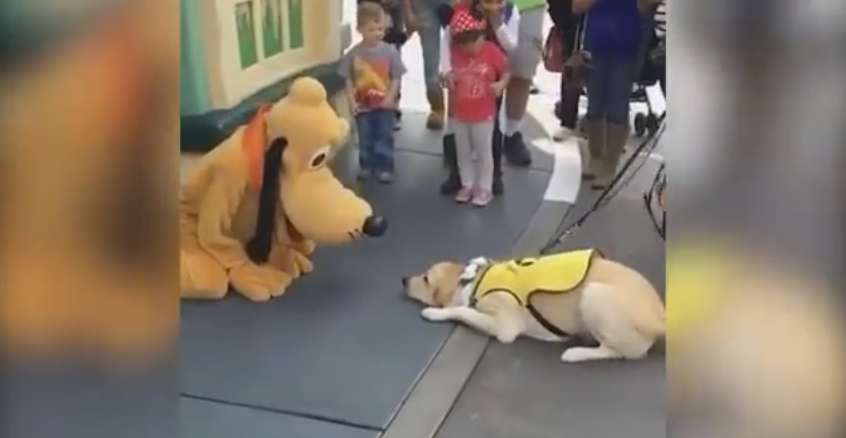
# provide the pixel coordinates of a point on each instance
(405, 281)
(374, 226)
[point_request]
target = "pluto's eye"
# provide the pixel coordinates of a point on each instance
(319, 158)
(426, 279)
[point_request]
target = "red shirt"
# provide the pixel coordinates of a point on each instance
(472, 98)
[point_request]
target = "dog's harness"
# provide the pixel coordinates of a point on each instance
(521, 278)
(468, 279)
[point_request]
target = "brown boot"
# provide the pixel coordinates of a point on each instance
(615, 142)
(435, 121)
(595, 130)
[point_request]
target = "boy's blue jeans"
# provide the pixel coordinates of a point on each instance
(376, 140)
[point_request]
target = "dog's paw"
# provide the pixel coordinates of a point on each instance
(507, 336)
(577, 354)
(582, 354)
(434, 314)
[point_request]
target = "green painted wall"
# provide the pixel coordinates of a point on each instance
(194, 80)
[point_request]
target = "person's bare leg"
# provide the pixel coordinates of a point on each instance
(523, 62)
(517, 98)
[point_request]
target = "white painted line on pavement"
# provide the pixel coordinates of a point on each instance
(566, 176)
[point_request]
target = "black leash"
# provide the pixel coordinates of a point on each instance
(618, 183)
(659, 185)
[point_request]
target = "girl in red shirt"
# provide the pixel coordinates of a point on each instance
(478, 75)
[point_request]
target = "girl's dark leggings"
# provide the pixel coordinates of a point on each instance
(498, 139)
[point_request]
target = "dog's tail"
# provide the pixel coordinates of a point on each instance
(653, 324)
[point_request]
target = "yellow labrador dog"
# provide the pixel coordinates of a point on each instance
(549, 298)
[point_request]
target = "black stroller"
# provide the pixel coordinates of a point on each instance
(652, 71)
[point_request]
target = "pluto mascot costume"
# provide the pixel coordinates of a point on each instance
(254, 207)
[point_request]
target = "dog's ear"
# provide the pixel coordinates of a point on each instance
(441, 295)
(447, 283)
(274, 156)
(453, 270)
(258, 249)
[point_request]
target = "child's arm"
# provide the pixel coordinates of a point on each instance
(393, 91)
(501, 67)
(398, 69)
(350, 88)
(345, 70)
(500, 85)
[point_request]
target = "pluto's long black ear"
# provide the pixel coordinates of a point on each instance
(258, 249)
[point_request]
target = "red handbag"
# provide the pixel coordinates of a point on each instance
(553, 51)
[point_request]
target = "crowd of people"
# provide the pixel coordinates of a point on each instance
(478, 57)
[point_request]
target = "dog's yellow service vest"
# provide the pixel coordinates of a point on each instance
(557, 273)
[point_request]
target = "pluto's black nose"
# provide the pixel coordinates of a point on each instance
(374, 226)
(405, 281)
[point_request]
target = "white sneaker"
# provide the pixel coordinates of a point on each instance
(562, 134)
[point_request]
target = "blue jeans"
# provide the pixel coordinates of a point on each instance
(376, 140)
(430, 40)
(609, 88)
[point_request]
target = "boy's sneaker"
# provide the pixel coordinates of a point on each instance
(482, 198)
(386, 177)
(464, 195)
(363, 175)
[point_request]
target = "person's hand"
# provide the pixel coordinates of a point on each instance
(412, 23)
(496, 19)
(498, 87)
(447, 79)
(388, 102)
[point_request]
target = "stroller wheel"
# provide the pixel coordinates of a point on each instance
(651, 123)
(640, 124)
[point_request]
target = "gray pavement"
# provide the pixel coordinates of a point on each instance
(337, 371)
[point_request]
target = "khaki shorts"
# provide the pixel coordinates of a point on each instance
(523, 61)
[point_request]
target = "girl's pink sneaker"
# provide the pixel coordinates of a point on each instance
(464, 195)
(482, 198)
